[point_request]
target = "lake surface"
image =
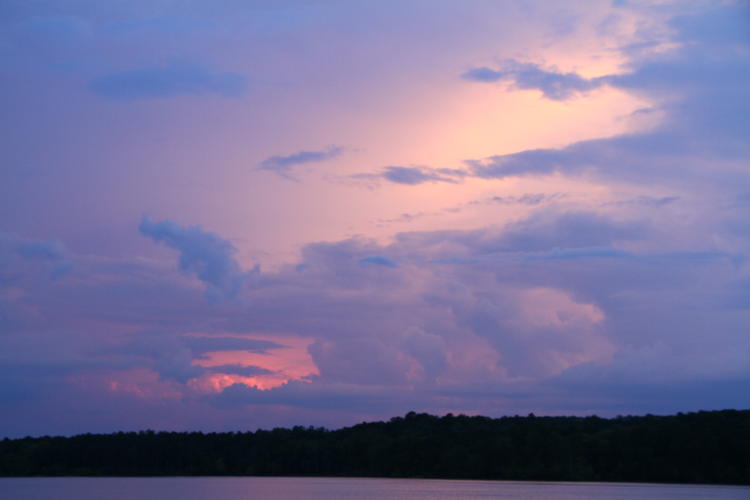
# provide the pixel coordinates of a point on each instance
(293, 488)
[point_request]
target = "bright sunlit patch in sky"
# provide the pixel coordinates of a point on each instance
(277, 366)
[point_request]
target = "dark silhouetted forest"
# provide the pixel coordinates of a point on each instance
(703, 447)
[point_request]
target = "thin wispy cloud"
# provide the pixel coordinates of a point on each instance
(285, 165)
(413, 175)
(555, 85)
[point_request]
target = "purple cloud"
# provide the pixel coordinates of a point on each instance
(242, 370)
(202, 253)
(465, 313)
(283, 166)
(377, 260)
(553, 84)
(20, 257)
(630, 299)
(414, 176)
(704, 116)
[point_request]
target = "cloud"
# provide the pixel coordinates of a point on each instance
(202, 253)
(21, 258)
(531, 162)
(552, 83)
(487, 320)
(200, 345)
(41, 250)
(284, 166)
(472, 289)
(483, 74)
(361, 361)
(377, 260)
(583, 253)
(700, 87)
(241, 370)
(39, 364)
(529, 199)
(158, 82)
(550, 230)
(545, 229)
(414, 176)
(428, 349)
(645, 201)
(576, 304)
(321, 395)
(172, 355)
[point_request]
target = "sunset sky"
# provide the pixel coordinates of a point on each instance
(232, 214)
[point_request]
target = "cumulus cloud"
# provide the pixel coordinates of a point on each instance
(428, 349)
(538, 332)
(552, 83)
(362, 361)
(202, 253)
(157, 82)
(465, 288)
(490, 319)
(583, 306)
(284, 166)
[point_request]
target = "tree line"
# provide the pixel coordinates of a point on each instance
(702, 447)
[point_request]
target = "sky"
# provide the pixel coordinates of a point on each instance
(233, 215)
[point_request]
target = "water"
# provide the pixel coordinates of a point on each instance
(245, 488)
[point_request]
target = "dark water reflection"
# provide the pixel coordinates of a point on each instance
(231, 488)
